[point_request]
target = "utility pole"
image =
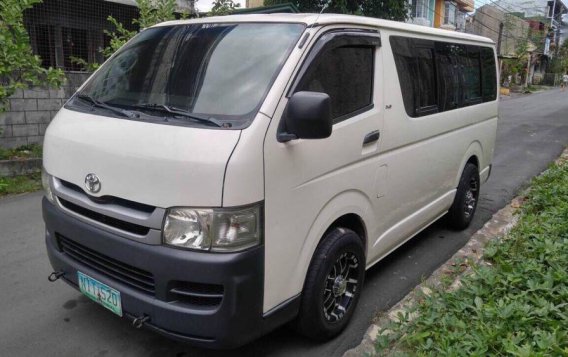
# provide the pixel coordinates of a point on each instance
(528, 70)
(499, 60)
(552, 15)
(552, 27)
(499, 39)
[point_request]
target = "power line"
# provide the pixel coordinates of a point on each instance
(481, 23)
(500, 21)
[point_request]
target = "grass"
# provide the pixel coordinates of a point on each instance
(20, 184)
(515, 306)
(22, 152)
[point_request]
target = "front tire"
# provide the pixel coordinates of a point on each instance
(463, 208)
(333, 285)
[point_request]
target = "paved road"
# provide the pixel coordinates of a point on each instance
(39, 318)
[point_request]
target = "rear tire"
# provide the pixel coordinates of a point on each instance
(333, 285)
(463, 208)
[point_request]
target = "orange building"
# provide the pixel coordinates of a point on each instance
(450, 14)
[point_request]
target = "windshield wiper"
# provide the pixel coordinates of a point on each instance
(180, 112)
(99, 104)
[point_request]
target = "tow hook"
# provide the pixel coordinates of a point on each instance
(55, 275)
(140, 321)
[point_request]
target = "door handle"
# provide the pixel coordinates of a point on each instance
(371, 137)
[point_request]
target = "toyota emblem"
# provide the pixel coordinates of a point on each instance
(92, 183)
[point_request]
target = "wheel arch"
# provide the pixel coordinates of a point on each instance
(349, 209)
(474, 155)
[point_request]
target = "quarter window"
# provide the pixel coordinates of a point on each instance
(346, 75)
(472, 75)
(488, 75)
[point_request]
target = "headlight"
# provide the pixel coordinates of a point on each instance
(213, 229)
(46, 183)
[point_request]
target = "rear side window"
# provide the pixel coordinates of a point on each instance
(437, 76)
(472, 75)
(488, 74)
(346, 75)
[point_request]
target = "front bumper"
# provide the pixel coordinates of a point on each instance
(236, 320)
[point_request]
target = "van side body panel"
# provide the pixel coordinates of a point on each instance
(311, 183)
(425, 158)
(402, 185)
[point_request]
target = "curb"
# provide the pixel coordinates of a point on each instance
(457, 267)
(499, 224)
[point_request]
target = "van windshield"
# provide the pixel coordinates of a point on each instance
(199, 74)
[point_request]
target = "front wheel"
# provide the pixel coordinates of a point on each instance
(461, 213)
(333, 285)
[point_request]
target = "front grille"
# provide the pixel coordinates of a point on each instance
(114, 269)
(196, 294)
(104, 219)
(110, 199)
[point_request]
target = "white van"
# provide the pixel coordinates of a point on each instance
(219, 177)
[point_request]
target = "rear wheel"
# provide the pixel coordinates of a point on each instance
(461, 213)
(333, 285)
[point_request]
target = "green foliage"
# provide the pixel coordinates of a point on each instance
(519, 305)
(223, 7)
(151, 12)
(20, 184)
(19, 68)
(387, 9)
(89, 67)
(21, 152)
(559, 63)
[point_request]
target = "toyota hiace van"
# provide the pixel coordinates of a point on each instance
(219, 177)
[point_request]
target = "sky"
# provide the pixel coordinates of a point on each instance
(205, 5)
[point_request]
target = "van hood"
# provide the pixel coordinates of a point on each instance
(155, 164)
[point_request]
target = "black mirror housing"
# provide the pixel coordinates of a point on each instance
(307, 116)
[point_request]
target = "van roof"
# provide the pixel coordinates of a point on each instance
(328, 19)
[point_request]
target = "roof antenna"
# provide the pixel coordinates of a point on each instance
(325, 6)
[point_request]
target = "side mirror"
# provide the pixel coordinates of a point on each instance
(307, 116)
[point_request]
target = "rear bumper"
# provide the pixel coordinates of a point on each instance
(236, 320)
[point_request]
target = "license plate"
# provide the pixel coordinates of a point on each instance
(100, 293)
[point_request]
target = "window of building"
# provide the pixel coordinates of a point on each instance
(450, 13)
(346, 75)
(420, 8)
(74, 46)
(437, 76)
(44, 44)
(460, 21)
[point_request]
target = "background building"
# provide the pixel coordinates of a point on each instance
(446, 14)
(62, 29)
(254, 3)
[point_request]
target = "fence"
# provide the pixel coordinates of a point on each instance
(551, 79)
(30, 111)
(66, 34)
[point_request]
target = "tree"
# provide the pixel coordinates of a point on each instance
(223, 7)
(19, 67)
(151, 12)
(386, 9)
(559, 63)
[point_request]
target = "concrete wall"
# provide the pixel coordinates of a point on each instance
(30, 111)
(486, 23)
